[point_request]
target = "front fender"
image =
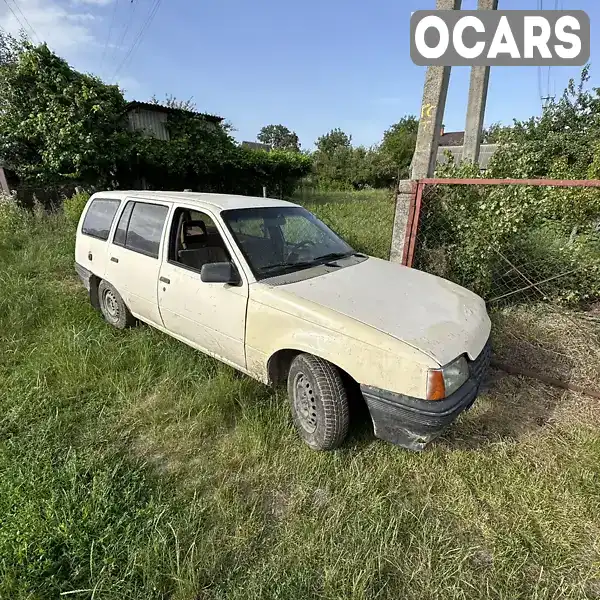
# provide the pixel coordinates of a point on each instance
(369, 356)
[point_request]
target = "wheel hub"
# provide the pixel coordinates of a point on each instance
(111, 305)
(305, 403)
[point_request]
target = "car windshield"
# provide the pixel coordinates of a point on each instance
(282, 239)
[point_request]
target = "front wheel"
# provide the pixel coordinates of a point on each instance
(319, 402)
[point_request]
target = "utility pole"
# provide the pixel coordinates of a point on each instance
(3, 183)
(435, 91)
(478, 89)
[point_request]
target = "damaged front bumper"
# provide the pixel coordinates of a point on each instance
(412, 422)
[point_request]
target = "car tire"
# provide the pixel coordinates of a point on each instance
(319, 402)
(113, 308)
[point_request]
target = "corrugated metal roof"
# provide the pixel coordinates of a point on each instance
(167, 109)
(256, 146)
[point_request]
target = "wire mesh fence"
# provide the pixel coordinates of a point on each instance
(531, 249)
(514, 242)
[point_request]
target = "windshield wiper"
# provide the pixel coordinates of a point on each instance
(298, 265)
(305, 264)
(337, 255)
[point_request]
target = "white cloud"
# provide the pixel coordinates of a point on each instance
(93, 2)
(62, 30)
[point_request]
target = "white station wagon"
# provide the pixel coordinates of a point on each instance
(266, 287)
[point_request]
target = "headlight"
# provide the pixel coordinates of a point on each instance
(445, 381)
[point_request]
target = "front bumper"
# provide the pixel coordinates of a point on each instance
(412, 422)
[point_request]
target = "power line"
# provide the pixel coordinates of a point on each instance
(110, 28)
(23, 28)
(140, 35)
(127, 25)
(26, 21)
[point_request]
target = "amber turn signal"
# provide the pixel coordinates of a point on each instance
(436, 388)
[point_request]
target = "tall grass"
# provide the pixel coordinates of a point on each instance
(133, 467)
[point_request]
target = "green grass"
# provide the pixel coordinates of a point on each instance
(134, 467)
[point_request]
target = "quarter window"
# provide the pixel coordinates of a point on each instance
(99, 217)
(145, 228)
(121, 232)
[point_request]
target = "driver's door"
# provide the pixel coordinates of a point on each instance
(208, 316)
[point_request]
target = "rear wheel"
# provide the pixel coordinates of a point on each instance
(319, 402)
(113, 307)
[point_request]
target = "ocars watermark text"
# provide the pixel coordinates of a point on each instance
(499, 37)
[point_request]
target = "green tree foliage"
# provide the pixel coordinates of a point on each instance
(57, 124)
(334, 141)
(340, 166)
(398, 146)
(550, 233)
(279, 137)
(493, 133)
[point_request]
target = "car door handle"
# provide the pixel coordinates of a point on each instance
(164, 279)
(113, 259)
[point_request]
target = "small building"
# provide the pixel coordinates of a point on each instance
(151, 119)
(256, 146)
(452, 142)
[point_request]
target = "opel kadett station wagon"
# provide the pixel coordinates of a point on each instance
(266, 287)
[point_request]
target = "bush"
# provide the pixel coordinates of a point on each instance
(497, 240)
(13, 219)
(73, 207)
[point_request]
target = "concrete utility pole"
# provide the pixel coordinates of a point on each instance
(435, 91)
(3, 183)
(478, 90)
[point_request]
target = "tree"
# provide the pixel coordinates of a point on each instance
(493, 133)
(333, 141)
(398, 146)
(57, 123)
(567, 132)
(171, 101)
(279, 137)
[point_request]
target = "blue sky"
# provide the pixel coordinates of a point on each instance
(311, 65)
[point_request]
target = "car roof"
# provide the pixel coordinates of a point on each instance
(217, 201)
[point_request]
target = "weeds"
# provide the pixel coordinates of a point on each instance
(134, 467)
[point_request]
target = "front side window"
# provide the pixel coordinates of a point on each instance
(195, 241)
(99, 217)
(145, 228)
(282, 239)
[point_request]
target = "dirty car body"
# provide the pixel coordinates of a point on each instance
(258, 283)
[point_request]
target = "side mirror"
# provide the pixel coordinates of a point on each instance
(221, 272)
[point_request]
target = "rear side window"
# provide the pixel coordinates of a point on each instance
(145, 228)
(99, 218)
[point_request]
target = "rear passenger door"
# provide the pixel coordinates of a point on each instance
(91, 245)
(135, 254)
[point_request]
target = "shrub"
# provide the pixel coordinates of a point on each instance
(13, 219)
(73, 207)
(496, 240)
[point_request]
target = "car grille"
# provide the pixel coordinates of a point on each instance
(479, 366)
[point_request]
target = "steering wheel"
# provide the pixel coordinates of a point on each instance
(298, 248)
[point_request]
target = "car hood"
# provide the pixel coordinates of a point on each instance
(431, 314)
